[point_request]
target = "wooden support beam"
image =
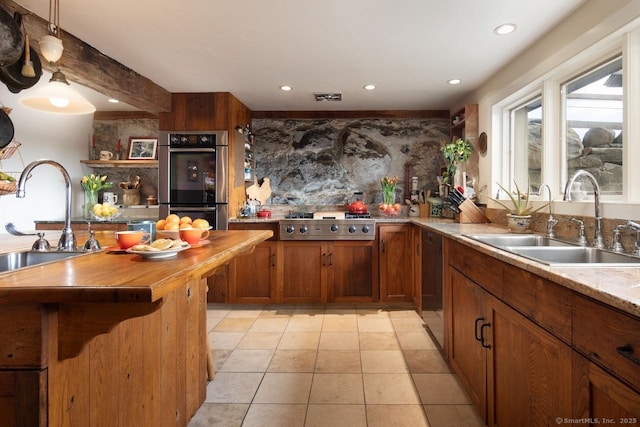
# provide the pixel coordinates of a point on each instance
(87, 66)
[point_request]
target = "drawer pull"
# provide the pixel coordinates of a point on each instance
(485, 325)
(627, 352)
(475, 329)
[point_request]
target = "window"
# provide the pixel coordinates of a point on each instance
(525, 129)
(593, 119)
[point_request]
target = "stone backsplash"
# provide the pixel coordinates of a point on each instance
(324, 161)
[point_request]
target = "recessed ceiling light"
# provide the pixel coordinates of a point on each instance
(369, 87)
(286, 88)
(503, 29)
(454, 81)
(113, 100)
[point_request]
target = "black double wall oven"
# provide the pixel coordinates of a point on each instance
(193, 175)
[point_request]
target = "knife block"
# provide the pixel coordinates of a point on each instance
(471, 214)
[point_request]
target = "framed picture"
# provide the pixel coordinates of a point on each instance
(143, 148)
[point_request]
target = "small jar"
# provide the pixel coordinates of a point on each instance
(152, 200)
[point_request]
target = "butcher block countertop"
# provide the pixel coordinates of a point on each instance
(116, 277)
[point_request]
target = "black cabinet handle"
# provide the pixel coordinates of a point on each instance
(331, 259)
(485, 325)
(273, 260)
(627, 352)
(381, 245)
(324, 259)
(475, 329)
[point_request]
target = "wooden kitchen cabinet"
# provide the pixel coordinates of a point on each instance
(396, 261)
(516, 373)
(252, 277)
(327, 271)
(430, 262)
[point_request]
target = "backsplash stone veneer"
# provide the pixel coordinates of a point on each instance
(324, 161)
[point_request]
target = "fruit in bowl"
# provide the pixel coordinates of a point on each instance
(171, 225)
(390, 209)
(105, 212)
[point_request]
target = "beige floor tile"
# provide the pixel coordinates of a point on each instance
(284, 388)
(232, 387)
(225, 340)
(386, 389)
(338, 362)
(403, 313)
(378, 341)
(268, 415)
(299, 341)
(426, 361)
(440, 389)
(277, 311)
(436, 328)
(370, 312)
(305, 324)
(336, 416)
(453, 416)
(247, 361)
(339, 341)
(212, 322)
(340, 311)
(219, 357)
(346, 323)
(250, 312)
(218, 310)
(368, 324)
(234, 325)
(219, 414)
(408, 324)
(383, 362)
(260, 340)
(311, 310)
(415, 341)
(269, 324)
(293, 361)
(396, 416)
(337, 389)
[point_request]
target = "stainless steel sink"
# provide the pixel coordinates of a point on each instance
(503, 240)
(14, 260)
(552, 251)
(577, 255)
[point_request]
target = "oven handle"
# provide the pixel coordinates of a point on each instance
(192, 150)
(192, 209)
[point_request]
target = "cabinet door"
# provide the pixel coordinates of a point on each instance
(352, 272)
(529, 371)
(303, 273)
(23, 398)
(467, 355)
(599, 395)
(254, 276)
(395, 263)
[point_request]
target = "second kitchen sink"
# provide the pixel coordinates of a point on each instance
(577, 255)
(503, 240)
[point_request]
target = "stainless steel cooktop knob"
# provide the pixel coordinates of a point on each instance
(290, 229)
(304, 229)
(352, 229)
(365, 229)
(334, 227)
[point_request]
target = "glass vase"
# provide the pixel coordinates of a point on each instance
(389, 194)
(90, 200)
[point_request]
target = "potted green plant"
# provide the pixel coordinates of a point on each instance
(454, 153)
(520, 209)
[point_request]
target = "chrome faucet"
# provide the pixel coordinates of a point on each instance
(598, 241)
(551, 221)
(581, 240)
(67, 240)
(636, 246)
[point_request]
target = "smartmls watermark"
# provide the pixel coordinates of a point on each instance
(592, 421)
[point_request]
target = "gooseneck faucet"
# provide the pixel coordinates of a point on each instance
(598, 241)
(67, 240)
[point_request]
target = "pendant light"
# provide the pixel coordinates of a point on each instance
(57, 96)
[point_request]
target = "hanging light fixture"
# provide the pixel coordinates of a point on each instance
(57, 96)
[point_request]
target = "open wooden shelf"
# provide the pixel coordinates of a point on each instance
(121, 163)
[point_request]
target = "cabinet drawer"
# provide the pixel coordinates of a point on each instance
(482, 269)
(540, 300)
(273, 226)
(608, 337)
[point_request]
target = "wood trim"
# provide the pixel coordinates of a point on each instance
(363, 114)
(123, 115)
(87, 66)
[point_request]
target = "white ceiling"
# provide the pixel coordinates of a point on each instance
(408, 48)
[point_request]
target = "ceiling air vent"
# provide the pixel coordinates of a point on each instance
(328, 96)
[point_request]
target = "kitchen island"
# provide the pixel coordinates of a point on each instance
(106, 338)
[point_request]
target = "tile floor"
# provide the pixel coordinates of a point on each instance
(329, 366)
